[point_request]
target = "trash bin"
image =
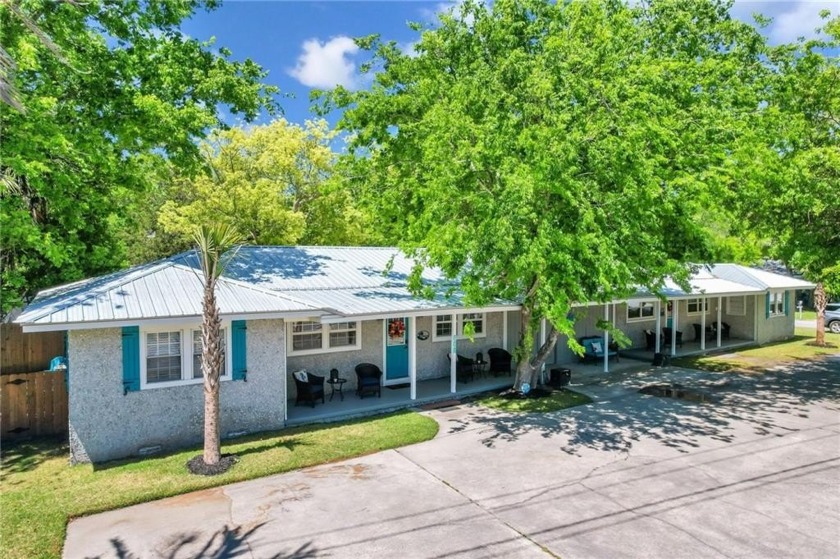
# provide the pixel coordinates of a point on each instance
(560, 377)
(661, 360)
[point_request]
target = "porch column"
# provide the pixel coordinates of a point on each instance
(453, 360)
(412, 356)
(720, 304)
(658, 325)
(505, 330)
(674, 325)
(606, 339)
(542, 343)
(703, 302)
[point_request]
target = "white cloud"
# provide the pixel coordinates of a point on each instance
(327, 64)
(791, 18)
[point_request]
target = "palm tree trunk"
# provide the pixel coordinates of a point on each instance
(819, 306)
(211, 365)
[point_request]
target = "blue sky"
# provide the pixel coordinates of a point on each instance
(308, 44)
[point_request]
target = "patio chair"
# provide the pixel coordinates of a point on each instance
(666, 335)
(650, 340)
(464, 368)
(710, 333)
(369, 380)
(309, 388)
(724, 330)
(500, 361)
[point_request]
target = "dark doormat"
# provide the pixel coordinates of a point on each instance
(440, 405)
(398, 386)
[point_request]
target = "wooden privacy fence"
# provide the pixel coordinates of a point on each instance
(33, 404)
(25, 353)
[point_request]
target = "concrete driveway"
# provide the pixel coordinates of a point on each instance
(754, 474)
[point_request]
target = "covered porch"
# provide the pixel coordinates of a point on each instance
(688, 349)
(393, 398)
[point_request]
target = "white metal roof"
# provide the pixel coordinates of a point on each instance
(164, 289)
(295, 282)
(759, 278)
(285, 268)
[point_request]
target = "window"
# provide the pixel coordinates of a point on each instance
(777, 303)
(697, 306)
(174, 357)
(736, 306)
(343, 334)
(477, 320)
(163, 356)
(639, 311)
(308, 336)
(444, 327)
(197, 348)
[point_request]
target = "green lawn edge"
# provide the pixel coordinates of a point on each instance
(40, 492)
(558, 400)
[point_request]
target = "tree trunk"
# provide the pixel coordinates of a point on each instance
(819, 306)
(211, 364)
(528, 368)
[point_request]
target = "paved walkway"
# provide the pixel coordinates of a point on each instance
(755, 474)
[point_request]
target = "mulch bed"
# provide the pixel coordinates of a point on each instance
(197, 466)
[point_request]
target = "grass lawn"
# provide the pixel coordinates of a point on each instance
(559, 399)
(760, 358)
(806, 315)
(40, 491)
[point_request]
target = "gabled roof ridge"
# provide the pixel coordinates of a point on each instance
(246, 285)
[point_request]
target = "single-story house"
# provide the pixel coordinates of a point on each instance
(134, 346)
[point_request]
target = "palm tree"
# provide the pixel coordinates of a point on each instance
(215, 248)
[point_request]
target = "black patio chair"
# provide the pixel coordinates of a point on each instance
(369, 380)
(464, 368)
(666, 334)
(650, 340)
(309, 390)
(500, 361)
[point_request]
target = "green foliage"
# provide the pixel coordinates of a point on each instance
(795, 197)
(41, 491)
(557, 152)
(128, 95)
(274, 183)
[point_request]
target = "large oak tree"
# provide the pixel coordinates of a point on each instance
(556, 153)
(115, 94)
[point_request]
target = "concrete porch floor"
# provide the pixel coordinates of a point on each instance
(688, 348)
(428, 391)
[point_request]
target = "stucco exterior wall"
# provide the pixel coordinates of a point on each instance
(106, 424)
(775, 328)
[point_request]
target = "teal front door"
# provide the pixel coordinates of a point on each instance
(396, 350)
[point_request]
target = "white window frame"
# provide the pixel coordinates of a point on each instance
(325, 338)
(458, 327)
(729, 310)
(186, 331)
(697, 301)
(777, 301)
(642, 305)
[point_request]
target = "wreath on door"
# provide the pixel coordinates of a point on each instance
(396, 329)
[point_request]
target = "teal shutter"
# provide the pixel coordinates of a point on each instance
(787, 303)
(131, 358)
(767, 305)
(238, 333)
